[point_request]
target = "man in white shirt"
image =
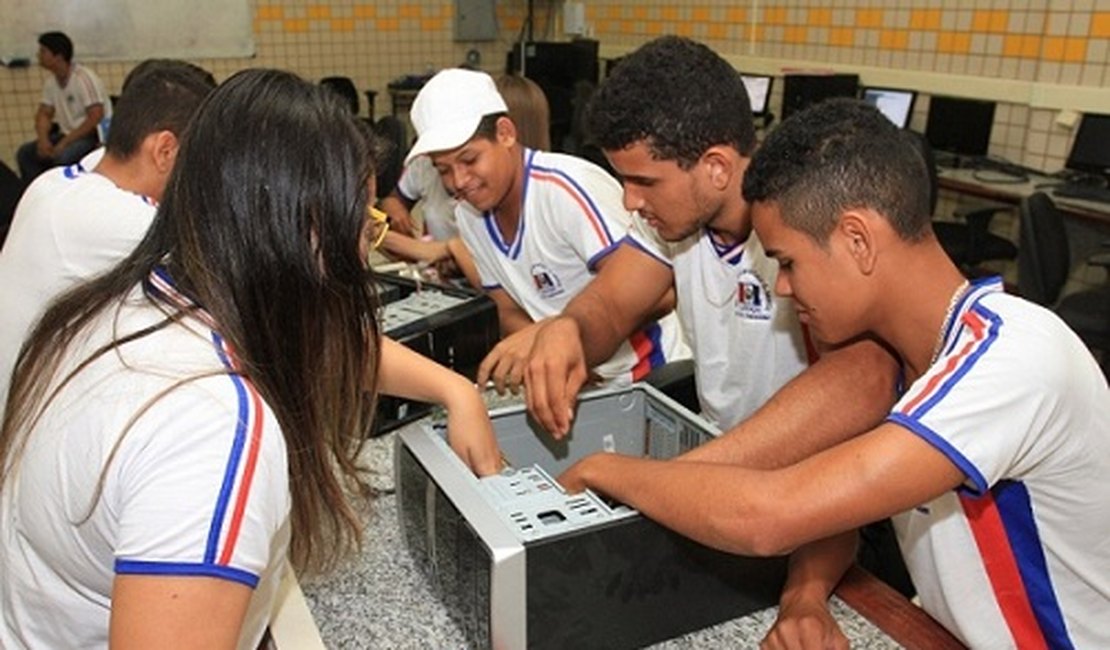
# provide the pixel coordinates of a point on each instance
(78, 221)
(539, 225)
(74, 99)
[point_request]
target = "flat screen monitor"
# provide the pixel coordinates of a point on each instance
(959, 126)
(801, 90)
(1090, 152)
(759, 91)
(896, 104)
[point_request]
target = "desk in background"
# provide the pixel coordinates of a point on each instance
(1087, 222)
(380, 599)
(1000, 187)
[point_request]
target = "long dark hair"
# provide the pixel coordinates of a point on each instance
(261, 225)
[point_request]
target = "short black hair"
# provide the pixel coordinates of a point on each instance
(158, 95)
(838, 155)
(58, 43)
(677, 95)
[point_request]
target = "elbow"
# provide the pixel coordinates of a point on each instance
(877, 376)
(758, 537)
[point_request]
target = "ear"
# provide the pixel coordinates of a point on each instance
(506, 131)
(720, 166)
(858, 237)
(163, 150)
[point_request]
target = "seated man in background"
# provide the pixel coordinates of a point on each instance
(538, 224)
(74, 99)
(74, 223)
(999, 475)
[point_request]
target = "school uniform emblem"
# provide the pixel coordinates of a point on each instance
(546, 282)
(753, 298)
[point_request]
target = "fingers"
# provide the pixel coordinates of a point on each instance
(552, 393)
(485, 369)
(504, 368)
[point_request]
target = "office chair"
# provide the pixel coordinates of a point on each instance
(11, 188)
(1044, 263)
(926, 150)
(344, 88)
(392, 130)
(969, 241)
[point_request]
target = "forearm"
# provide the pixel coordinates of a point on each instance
(599, 333)
(846, 392)
(816, 568)
(414, 250)
(85, 129)
(405, 373)
(464, 260)
(398, 209)
(688, 500)
(43, 121)
(510, 316)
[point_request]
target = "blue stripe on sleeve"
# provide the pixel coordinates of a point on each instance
(980, 349)
(232, 462)
(138, 567)
(632, 241)
(582, 192)
(944, 447)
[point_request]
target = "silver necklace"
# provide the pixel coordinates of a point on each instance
(952, 302)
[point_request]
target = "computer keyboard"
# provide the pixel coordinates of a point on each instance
(1001, 166)
(1083, 192)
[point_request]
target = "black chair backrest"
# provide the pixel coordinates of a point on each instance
(926, 150)
(11, 188)
(392, 130)
(345, 88)
(1044, 257)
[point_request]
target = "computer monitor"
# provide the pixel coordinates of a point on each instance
(1090, 151)
(959, 126)
(557, 67)
(896, 104)
(801, 90)
(759, 91)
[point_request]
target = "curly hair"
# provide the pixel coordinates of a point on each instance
(838, 155)
(679, 96)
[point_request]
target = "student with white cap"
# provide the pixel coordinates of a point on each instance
(538, 224)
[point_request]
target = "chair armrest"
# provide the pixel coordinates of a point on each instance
(980, 215)
(1102, 259)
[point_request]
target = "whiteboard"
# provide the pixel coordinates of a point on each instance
(129, 30)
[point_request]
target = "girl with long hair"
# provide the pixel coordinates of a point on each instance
(180, 425)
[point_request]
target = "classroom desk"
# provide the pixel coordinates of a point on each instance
(1087, 223)
(380, 599)
(978, 183)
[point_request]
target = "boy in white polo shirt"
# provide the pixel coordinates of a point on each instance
(538, 224)
(995, 461)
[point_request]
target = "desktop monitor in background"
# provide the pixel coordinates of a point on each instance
(1090, 151)
(896, 104)
(959, 126)
(801, 90)
(557, 67)
(759, 91)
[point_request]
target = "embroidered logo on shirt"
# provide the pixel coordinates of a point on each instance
(753, 299)
(547, 283)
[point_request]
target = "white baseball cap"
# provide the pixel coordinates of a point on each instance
(449, 108)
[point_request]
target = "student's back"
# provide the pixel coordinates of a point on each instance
(78, 221)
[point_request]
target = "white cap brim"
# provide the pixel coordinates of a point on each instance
(444, 137)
